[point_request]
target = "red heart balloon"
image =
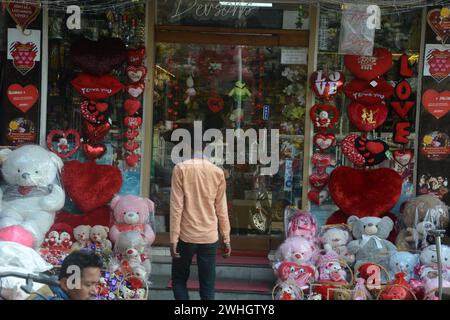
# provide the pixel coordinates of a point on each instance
(136, 74)
(132, 160)
(94, 151)
(403, 157)
(90, 111)
(215, 104)
(348, 147)
(135, 57)
(324, 140)
(369, 68)
(23, 98)
(132, 122)
(367, 118)
(369, 92)
(324, 116)
(130, 146)
(370, 193)
(326, 86)
(130, 134)
(63, 150)
(96, 88)
(96, 132)
(136, 89)
(319, 180)
(131, 106)
(90, 185)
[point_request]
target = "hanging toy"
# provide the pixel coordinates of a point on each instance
(190, 91)
(240, 91)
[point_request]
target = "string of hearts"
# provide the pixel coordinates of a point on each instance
(132, 121)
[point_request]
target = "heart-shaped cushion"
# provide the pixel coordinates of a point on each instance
(136, 74)
(90, 185)
(348, 148)
(324, 140)
(326, 85)
(94, 151)
(91, 111)
(319, 180)
(136, 89)
(95, 132)
(370, 193)
(98, 57)
(367, 118)
(369, 68)
(324, 116)
(131, 106)
(403, 157)
(96, 88)
(373, 151)
(369, 92)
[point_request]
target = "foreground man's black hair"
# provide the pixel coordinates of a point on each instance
(83, 259)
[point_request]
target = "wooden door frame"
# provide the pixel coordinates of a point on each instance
(231, 36)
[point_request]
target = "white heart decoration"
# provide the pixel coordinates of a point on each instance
(135, 76)
(324, 143)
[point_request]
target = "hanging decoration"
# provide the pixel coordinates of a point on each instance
(23, 13)
(439, 21)
(436, 103)
(437, 62)
(64, 149)
(73, 22)
(23, 98)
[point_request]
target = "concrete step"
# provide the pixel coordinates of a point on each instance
(226, 289)
(239, 268)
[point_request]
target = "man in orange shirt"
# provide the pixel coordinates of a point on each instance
(198, 206)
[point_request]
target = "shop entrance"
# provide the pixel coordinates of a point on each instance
(232, 79)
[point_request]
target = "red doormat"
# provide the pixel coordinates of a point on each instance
(233, 286)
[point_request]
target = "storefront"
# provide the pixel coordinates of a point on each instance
(236, 66)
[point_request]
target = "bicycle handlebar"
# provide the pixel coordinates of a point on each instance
(40, 277)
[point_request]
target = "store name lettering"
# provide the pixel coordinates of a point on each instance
(207, 9)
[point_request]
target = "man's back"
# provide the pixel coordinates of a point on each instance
(198, 203)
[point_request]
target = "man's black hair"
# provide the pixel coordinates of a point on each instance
(83, 259)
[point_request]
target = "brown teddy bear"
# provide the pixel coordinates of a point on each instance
(99, 236)
(419, 215)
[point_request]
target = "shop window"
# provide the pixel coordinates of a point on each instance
(227, 87)
(64, 102)
(399, 33)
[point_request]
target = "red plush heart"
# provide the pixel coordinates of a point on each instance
(102, 106)
(90, 185)
(326, 86)
(132, 122)
(319, 180)
(136, 89)
(367, 118)
(369, 68)
(96, 88)
(373, 151)
(94, 151)
(403, 157)
(348, 148)
(130, 134)
(136, 74)
(215, 104)
(131, 106)
(440, 25)
(436, 103)
(98, 57)
(63, 150)
(132, 160)
(324, 140)
(321, 160)
(96, 132)
(23, 98)
(130, 146)
(135, 57)
(90, 111)
(370, 193)
(369, 92)
(324, 116)
(317, 197)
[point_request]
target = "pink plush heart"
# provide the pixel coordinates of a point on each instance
(321, 160)
(319, 180)
(136, 74)
(132, 122)
(324, 140)
(135, 89)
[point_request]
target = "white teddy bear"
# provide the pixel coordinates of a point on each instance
(336, 240)
(31, 197)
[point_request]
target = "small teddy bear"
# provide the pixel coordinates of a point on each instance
(330, 268)
(132, 213)
(297, 249)
(403, 261)
(335, 240)
(81, 235)
(429, 262)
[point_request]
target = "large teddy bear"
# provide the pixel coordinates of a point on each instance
(371, 244)
(419, 215)
(30, 199)
(132, 213)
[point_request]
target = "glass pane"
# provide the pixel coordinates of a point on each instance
(230, 87)
(399, 34)
(64, 102)
(233, 14)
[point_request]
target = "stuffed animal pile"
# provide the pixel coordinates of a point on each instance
(356, 260)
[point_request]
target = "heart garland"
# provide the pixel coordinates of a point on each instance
(63, 149)
(136, 74)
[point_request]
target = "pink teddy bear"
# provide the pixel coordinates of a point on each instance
(132, 213)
